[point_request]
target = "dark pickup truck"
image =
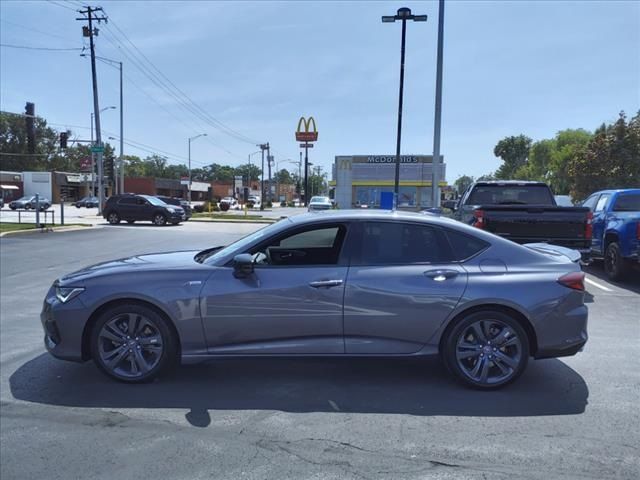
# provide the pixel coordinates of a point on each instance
(526, 212)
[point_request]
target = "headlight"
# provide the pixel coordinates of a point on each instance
(171, 209)
(64, 294)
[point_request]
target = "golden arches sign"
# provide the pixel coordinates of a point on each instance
(308, 134)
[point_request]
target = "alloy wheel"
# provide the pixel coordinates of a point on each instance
(159, 219)
(488, 351)
(113, 218)
(611, 261)
(130, 345)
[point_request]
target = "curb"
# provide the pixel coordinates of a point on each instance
(53, 230)
(224, 220)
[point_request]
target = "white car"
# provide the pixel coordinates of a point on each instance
(254, 201)
(319, 203)
(232, 202)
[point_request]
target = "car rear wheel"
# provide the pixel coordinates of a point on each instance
(159, 219)
(132, 343)
(615, 265)
(486, 350)
(113, 218)
(130, 221)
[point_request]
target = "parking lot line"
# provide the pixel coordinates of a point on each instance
(596, 284)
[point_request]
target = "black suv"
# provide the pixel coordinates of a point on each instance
(181, 202)
(133, 208)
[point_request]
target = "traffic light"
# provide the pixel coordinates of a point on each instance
(30, 122)
(64, 136)
(108, 166)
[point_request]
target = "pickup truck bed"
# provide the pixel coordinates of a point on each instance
(563, 226)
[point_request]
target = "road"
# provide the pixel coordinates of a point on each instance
(89, 216)
(306, 418)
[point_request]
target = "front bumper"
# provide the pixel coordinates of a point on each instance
(63, 325)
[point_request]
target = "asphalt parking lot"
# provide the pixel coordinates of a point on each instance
(575, 417)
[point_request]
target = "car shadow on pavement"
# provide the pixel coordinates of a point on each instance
(414, 386)
(631, 283)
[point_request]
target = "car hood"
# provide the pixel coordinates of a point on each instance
(132, 265)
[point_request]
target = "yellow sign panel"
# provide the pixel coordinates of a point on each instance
(307, 134)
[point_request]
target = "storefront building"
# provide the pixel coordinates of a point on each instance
(10, 186)
(359, 180)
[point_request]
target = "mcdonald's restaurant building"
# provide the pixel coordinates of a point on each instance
(359, 180)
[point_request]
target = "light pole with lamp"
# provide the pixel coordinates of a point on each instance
(403, 15)
(93, 163)
(120, 168)
(190, 139)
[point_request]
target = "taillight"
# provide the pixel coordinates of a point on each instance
(588, 227)
(478, 215)
(574, 280)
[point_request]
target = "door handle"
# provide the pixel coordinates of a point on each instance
(441, 275)
(325, 283)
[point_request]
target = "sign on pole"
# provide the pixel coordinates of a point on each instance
(308, 134)
(306, 145)
(97, 149)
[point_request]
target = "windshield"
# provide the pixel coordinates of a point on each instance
(153, 200)
(319, 199)
(627, 203)
(510, 195)
(240, 245)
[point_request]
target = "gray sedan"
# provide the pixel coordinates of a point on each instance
(348, 283)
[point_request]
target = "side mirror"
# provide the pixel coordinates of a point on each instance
(242, 265)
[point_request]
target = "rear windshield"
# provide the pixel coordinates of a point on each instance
(627, 203)
(510, 195)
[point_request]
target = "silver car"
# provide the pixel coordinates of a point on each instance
(348, 283)
(319, 203)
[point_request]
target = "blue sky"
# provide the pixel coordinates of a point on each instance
(529, 67)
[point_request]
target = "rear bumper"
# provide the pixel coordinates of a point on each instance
(566, 351)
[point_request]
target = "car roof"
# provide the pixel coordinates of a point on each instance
(509, 182)
(618, 190)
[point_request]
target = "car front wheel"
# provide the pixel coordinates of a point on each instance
(159, 219)
(132, 343)
(486, 350)
(113, 218)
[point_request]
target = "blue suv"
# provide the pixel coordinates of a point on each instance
(616, 229)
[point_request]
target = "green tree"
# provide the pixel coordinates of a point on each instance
(611, 159)
(13, 140)
(462, 183)
(283, 176)
(514, 152)
(246, 170)
(566, 146)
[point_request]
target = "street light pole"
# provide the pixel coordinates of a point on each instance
(189, 187)
(435, 164)
(403, 14)
(263, 147)
(121, 162)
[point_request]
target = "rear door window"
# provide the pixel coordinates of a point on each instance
(128, 201)
(395, 243)
(465, 246)
(629, 202)
(602, 203)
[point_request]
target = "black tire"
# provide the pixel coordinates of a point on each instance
(131, 221)
(77, 206)
(113, 218)
(513, 357)
(122, 369)
(615, 265)
(159, 219)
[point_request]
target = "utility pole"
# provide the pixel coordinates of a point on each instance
(189, 186)
(263, 147)
(93, 163)
(269, 162)
(89, 32)
(435, 164)
(306, 174)
(121, 162)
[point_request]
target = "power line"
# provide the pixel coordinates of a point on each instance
(33, 29)
(62, 5)
(171, 88)
(27, 47)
